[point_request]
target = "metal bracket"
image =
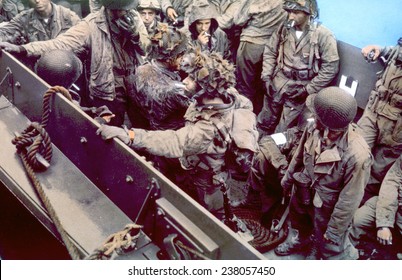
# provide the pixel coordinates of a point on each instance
(153, 193)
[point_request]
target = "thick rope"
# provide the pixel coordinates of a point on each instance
(118, 242)
(35, 140)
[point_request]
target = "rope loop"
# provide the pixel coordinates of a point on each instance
(119, 242)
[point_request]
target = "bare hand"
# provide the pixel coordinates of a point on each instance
(384, 236)
(171, 14)
(366, 51)
(203, 38)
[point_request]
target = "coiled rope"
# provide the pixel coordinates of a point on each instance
(35, 141)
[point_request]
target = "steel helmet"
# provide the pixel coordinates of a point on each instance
(334, 108)
(308, 6)
(149, 4)
(59, 68)
(119, 4)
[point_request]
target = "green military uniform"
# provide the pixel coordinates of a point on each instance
(311, 61)
(384, 210)
(381, 122)
(28, 26)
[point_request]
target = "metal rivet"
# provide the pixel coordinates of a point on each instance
(129, 179)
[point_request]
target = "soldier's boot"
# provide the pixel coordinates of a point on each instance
(314, 250)
(293, 244)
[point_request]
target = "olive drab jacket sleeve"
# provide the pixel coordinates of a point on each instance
(328, 60)
(354, 173)
(195, 138)
(270, 56)
(389, 203)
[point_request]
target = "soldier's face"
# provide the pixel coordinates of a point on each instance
(301, 19)
(41, 5)
(148, 16)
(203, 25)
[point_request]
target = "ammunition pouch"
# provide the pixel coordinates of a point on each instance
(298, 75)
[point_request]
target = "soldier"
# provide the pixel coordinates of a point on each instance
(329, 170)
(202, 143)
(160, 96)
(380, 218)
(381, 122)
(150, 14)
(10, 8)
(301, 58)
(258, 19)
(113, 38)
(204, 31)
(44, 21)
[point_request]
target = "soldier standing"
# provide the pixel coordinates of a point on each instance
(329, 170)
(112, 38)
(301, 58)
(258, 20)
(381, 123)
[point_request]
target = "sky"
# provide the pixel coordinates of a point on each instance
(361, 23)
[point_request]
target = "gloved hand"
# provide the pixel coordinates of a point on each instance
(103, 114)
(298, 93)
(270, 88)
(11, 48)
(109, 132)
(127, 26)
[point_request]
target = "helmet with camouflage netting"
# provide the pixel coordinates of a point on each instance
(59, 67)
(119, 4)
(211, 72)
(168, 43)
(308, 6)
(334, 108)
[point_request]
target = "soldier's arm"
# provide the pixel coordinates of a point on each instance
(241, 17)
(76, 38)
(226, 19)
(329, 60)
(13, 29)
(189, 140)
(270, 55)
(356, 176)
(390, 191)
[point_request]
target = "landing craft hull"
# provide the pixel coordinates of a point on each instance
(97, 176)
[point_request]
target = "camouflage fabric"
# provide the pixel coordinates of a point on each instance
(27, 27)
